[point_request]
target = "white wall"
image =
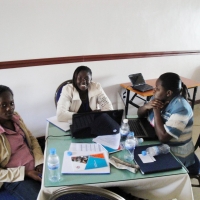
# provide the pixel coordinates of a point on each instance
(39, 29)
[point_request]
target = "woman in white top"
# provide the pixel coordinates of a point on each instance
(82, 95)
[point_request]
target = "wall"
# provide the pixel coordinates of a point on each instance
(44, 29)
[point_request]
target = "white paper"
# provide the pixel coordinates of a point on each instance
(62, 125)
(86, 147)
(147, 158)
(111, 141)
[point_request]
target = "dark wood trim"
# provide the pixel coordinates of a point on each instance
(89, 58)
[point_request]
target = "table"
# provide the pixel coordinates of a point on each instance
(165, 185)
(191, 84)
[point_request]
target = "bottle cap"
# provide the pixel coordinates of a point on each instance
(125, 120)
(144, 153)
(69, 153)
(52, 151)
(131, 133)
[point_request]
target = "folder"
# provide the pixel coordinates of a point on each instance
(164, 162)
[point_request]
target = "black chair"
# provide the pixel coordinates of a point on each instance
(59, 89)
(84, 192)
(196, 176)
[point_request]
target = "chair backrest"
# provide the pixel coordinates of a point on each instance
(84, 192)
(59, 89)
(197, 143)
(196, 176)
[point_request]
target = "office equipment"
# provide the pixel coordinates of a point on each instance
(164, 162)
(138, 82)
(142, 128)
(191, 84)
(93, 124)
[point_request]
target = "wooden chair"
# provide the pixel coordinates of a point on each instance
(196, 176)
(84, 192)
(59, 89)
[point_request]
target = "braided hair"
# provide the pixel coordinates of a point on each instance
(172, 81)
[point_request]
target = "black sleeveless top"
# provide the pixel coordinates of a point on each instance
(85, 107)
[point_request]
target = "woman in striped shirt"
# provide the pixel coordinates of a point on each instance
(171, 115)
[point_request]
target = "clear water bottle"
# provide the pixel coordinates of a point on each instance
(138, 141)
(53, 163)
(130, 144)
(124, 129)
(157, 150)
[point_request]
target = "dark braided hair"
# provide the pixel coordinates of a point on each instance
(4, 88)
(76, 72)
(172, 81)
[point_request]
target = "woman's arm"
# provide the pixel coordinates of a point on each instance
(12, 174)
(33, 144)
(163, 136)
(68, 98)
(143, 110)
(103, 100)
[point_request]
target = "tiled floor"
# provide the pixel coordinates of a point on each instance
(196, 132)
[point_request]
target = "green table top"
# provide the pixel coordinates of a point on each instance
(58, 139)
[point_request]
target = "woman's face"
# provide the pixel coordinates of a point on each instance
(83, 80)
(7, 105)
(160, 92)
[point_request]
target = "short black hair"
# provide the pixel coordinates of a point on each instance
(4, 88)
(76, 72)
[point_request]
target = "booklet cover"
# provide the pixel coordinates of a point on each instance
(85, 163)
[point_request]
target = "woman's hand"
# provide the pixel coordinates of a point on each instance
(34, 175)
(155, 103)
(39, 168)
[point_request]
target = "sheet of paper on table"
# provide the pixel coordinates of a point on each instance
(112, 141)
(62, 125)
(86, 147)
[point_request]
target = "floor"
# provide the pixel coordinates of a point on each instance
(196, 132)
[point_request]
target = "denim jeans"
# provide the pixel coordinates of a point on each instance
(24, 190)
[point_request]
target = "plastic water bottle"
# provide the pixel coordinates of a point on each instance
(53, 163)
(157, 150)
(124, 129)
(138, 141)
(130, 144)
